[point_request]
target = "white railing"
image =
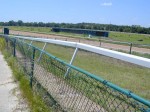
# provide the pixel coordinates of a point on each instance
(114, 54)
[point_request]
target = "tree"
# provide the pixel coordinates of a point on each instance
(20, 23)
(93, 26)
(12, 23)
(41, 24)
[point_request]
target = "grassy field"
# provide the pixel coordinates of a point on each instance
(117, 36)
(130, 37)
(145, 55)
(126, 75)
(32, 29)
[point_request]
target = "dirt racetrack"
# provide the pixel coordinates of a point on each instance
(85, 41)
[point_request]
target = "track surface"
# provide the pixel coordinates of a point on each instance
(90, 42)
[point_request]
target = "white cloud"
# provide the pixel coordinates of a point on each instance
(106, 4)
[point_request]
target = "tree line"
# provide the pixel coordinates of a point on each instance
(93, 26)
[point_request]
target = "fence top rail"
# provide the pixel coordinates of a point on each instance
(102, 51)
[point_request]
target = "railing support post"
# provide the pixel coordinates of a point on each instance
(131, 48)
(100, 42)
(32, 67)
(30, 45)
(79, 40)
(72, 59)
(42, 52)
(14, 51)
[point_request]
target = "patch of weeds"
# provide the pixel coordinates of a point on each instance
(35, 102)
(2, 44)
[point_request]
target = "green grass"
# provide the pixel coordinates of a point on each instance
(64, 53)
(142, 55)
(145, 55)
(35, 102)
(130, 37)
(121, 73)
(32, 29)
(2, 44)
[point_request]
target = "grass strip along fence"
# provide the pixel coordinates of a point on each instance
(33, 102)
(79, 91)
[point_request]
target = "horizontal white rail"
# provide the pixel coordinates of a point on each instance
(114, 54)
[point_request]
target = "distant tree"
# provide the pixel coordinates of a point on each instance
(94, 26)
(41, 24)
(12, 23)
(20, 23)
(126, 29)
(35, 24)
(2, 23)
(121, 29)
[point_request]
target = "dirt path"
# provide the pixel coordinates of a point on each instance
(10, 96)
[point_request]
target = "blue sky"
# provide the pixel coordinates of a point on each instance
(120, 12)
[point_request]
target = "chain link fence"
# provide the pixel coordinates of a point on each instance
(80, 91)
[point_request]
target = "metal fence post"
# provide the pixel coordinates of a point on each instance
(130, 48)
(32, 67)
(14, 51)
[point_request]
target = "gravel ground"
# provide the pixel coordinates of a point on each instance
(10, 95)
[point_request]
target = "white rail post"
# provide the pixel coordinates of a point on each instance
(72, 59)
(30, 44)
(42, 52)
